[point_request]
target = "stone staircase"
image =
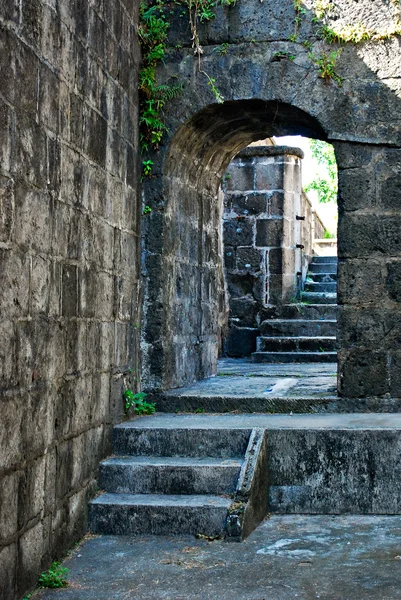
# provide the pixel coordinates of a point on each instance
(220, 475)
(304, 332)
(173, 481)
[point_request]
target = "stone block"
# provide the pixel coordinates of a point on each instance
(351, 156)
(69, 298)
(230, 257)
(270, 176)
(33, 220)
(276, 204)
(275, 261)
(269, 232)
(6, 138)
(241, 341)
(31, 492)
(241, 177)
(247, 204)
(250, 259)
(12, 418)
(393, 281)
(244, 311)
(8, 502)
(48, 104)
(238, 233)
(65, 467)
(395, 373)
(30, 552)
(240, 285)
(11, 10)
(361, 282)
(364, 235)
(376, 327)
(362, 372)
(39, 429)
(356, 189)
(96, 138)
(8, 568)
(28, 165)
(6, 207)
(14, 283)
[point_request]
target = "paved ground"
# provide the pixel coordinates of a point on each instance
(242, 378)
(287, 557)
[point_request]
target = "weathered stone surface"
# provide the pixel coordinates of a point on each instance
(269, 95)
(69, 264)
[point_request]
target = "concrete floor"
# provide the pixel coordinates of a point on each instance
(287, 557)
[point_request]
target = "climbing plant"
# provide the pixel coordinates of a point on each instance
(153, 30)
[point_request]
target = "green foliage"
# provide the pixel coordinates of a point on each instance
(147, 166)
(328, 235)
(137, 405)
(326, 184)
(281, 55)
(147, 210)
(326, 64)
(152, 33)
(55, 577)
(223, 49)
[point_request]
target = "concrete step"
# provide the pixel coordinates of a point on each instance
(321, 287)
(324, 260)
(301, 311)
(140, 441)
(294, 357)
(158, 514)
(298, 327)
(169, 475)
(319, 298)
(322, 277)
(296, 344)
(330, 268)
(316, 463)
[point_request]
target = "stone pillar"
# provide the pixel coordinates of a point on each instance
(369, 270)
(260, 235)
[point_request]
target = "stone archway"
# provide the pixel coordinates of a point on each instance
(265, 97)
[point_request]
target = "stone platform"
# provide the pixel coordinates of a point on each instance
(243, 386)
(287, 557)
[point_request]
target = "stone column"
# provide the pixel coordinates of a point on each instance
(260, 234)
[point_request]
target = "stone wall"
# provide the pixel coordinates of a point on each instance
(260, 234)
(247, 50)
(69, 265)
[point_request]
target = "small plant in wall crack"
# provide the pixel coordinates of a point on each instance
(55, 577)
(135, 404)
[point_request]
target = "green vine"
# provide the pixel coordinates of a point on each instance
(152, 32)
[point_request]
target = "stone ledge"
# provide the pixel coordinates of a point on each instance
(270, 151)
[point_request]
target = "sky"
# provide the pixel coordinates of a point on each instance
(310, 168)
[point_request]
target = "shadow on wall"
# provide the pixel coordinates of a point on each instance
(185, 307)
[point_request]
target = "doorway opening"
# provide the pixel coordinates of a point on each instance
(280, 251)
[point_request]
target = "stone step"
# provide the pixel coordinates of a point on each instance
(140, 441)
(324, 260)
(302, 327)
(320, 287)
(316, 463)
(301, 311)
(296, 344)
(319, 298)
(169, 475)
(158, 514)
(322, 277)
(330, 268)
(294, 357)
